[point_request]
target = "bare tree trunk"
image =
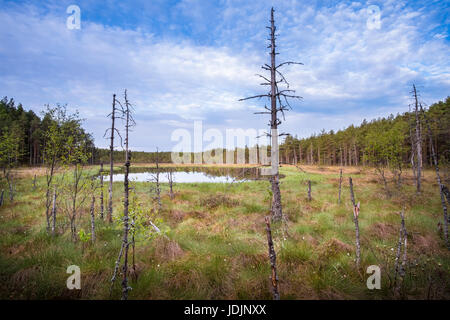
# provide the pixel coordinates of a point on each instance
(170, 178)
(400, 269)
(34, 183)
(111, 160)
(116, 267)
(276, 203)
(356, 153)
(300, 154)
(125, 287)
(318, 155)
(49, 178)
(345, 154)
(340, 185)
(157, 183)
(309, 190)
(273, 261)
(54, 213)
(350, 155)
(355, 220)
(295, 157)
(418, 141)
(397, 256)
(93, 217)
(9, 179)
(1, 197)
(73, 229)
(442, 188)
(101, 191)
(275, 95)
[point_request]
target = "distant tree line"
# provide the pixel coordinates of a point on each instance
(30, 133)
(385, 141)
(382, 140)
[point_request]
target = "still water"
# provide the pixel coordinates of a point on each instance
(178, 177)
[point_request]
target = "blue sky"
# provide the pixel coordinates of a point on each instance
(190, 60)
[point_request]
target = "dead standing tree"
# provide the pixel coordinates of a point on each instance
(94, 186)
(116, 113)
(129, 122)
(418, 142)
(355, 220)
(273, 262)
(156, 179)
(101, 191)
(442, 188)
(340, 185)
(170, 180)
(279, 103)
(400, 268)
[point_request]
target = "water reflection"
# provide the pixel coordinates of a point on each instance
(192, 174)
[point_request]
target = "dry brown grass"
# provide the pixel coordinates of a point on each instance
(427, 244)
(215, 200)
(166, 250)
(382, 230)
(333, 247)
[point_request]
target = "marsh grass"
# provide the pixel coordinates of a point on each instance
(214, 244)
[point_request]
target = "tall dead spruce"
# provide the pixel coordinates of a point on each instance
(418, 142)
(129, 122)
(116, 113)
(278, 103)
(355, 220)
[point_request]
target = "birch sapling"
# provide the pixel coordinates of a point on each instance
(54, 213)
(92, 209)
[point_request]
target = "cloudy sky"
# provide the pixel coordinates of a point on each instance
(190, 60)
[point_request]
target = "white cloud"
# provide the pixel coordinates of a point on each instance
(350, 71)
